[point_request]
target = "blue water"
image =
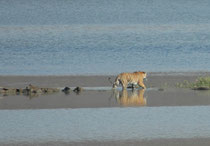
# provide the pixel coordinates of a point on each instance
(65, 37)
(104, 124)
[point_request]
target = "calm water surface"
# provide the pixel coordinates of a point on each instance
(61, 37)
(104, 124)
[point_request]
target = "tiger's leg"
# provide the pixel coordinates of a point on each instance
(135, 85)
(142, 85)
(124, 85)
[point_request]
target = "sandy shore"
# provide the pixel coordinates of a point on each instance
(161, 91)
(154, 142)
(154, 80)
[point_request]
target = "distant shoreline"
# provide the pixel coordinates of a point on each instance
(159, 142)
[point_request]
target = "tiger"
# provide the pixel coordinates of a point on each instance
(130, 78)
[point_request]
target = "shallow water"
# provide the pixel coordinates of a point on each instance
(87, 37)
(104, 124)
(99, 98)
(30, 50)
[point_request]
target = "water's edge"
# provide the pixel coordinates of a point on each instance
(104, 124)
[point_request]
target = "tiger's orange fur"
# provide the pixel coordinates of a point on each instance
(130, 78)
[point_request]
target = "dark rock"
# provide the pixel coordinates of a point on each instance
(78, 89)
(49, 90)
(25, 91)
(8, 91)
(160, 89)
(28, 91)
(5, 89)
(33, 89)
(201, 88)
(19, 91)
(66, 90)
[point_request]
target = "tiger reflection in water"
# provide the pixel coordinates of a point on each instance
(130, 98)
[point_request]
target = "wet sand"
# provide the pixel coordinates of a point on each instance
(161, 91)
(154, 80)
(97, 99)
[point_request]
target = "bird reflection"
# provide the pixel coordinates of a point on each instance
(130, 98)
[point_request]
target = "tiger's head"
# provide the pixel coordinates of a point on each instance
(144, 75)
